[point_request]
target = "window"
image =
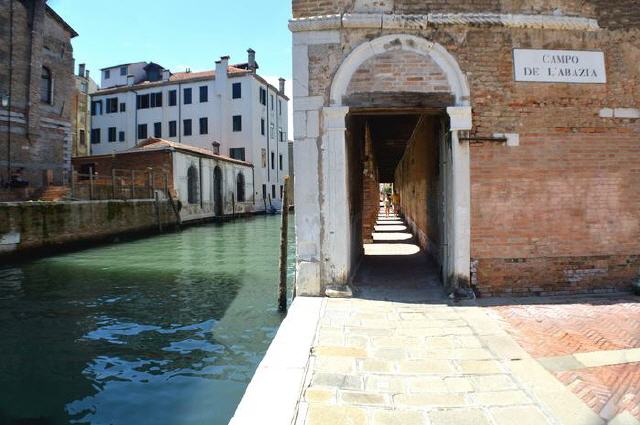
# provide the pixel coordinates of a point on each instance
(204, 94)
(237, 123)
(264, 158)
(157, 130)
(281, 191)
(156, 99)
(192, 185)
(173, 97)
(187, 96)
(280, 162)
(273, 191)
(121, 136)
(123, 71)
(142, 101)
(82, 137)
(95, 136)
(173, 129)
(112, 134)
(84, 87)
(264, 191)
(281, 134)
(123, 107)
(236, 90)
(279, 107)
(107, 74)
(240, 188)
(46, 86)
(271, 102)
(272, 129)
(237, 153)
(262, 126)
(186, 125)
(111, 105)
(273, 161)
(96, 107)
(142, 131)
(263, 96)
(204, 125)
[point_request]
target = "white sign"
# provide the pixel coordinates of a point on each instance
(559, 66)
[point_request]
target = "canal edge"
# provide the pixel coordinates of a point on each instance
(274, 392)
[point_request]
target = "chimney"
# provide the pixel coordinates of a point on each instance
(222, 66)
(251, 59)
(282, 81)
(166, 74)
(130, 80)
(81, 69)
(86, 74)
(216, 148)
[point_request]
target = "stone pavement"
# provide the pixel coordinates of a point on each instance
(399, 353)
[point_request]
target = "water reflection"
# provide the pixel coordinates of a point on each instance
(166, 330)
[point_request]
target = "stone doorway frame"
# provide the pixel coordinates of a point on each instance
(335, 236)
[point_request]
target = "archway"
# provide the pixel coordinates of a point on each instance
(340, 242)
(240, 188)
(217, 192)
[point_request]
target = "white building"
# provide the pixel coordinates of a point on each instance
(232, 109)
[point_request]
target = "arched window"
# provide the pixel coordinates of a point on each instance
(46, 86)
(192, 185)
(240, 187)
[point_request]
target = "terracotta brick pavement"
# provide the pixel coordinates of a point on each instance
(561, 328)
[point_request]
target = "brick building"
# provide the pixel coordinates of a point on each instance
(36, 84)
(511, 130)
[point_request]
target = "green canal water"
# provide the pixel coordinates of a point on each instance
(164, 330)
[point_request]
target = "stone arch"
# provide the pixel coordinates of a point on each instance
(432, 51)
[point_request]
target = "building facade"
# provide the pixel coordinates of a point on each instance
(511, 130)
(80, 112)
(232, 110)
(203, 184)
(35, 91)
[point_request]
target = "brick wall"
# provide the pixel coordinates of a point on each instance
(559, 213)
(40, 132)
(370, 189)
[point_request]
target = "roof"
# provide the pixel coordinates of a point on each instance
(61, 21)
(122, 64)
(155, 145)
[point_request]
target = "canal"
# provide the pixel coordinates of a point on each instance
(163, 330)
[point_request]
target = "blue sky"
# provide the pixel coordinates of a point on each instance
(179, 34)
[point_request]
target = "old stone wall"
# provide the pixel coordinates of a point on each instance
(370, 189)
(40, 132)
(557, 213)
(40, 225)
(418, 181)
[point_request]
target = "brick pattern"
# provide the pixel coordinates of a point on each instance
(552, 330)
(399, 71)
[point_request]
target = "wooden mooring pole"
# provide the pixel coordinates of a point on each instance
(282, 289)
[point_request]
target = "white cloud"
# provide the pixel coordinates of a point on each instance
(288, 90)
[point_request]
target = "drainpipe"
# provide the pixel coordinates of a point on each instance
(10, 91)
(200, 178)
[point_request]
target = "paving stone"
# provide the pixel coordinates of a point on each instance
(390, 353)
(429, 400)
(356, 341)
(348, 382)
(337, 351)
(398, 417)
(425, 366)
(364, 399)
(492, 382)
(466, 341)
(394, 342)
(520, 415)
(374, 365)
(479, 367)
(319, 395)
(383, 384)
(343, 365)
(501, 398)
(335, 415)
(458, 384)
(458, 417)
